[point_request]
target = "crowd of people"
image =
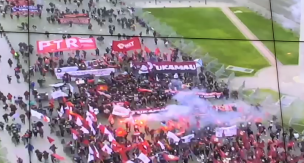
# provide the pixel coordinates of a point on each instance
(76, 108)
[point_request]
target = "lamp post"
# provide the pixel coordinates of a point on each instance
(301, 46)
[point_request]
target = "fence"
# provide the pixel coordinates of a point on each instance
(291, 106)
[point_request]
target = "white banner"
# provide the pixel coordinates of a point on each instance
(171, 135)
(228, 131)
(143, 158)
(57, 85)
(59, 72)
(187, 138)
(58, 94)
(120, 111)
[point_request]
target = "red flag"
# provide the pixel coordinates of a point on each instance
(147, 50)
(85, 142)
(111, 119)
(74, 131)
(75, 134)
(144, 90)
(144, 147)
(157, 51)
(121, 132)
(58, 157)
(69, 104)
(169, 157)
(102, 88)
(135, 52)
(51, 140)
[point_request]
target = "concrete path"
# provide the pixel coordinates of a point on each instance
(269, 56)
(267, 78)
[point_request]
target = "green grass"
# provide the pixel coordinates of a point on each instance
(287, 52)
(212, 23)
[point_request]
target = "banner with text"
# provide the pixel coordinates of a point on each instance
(74, 43)
(226, 131)
(22, 10)
(126, 45)
(74, 20)
(165, 67)
(73, 71)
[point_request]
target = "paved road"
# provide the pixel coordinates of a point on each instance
(18, 89)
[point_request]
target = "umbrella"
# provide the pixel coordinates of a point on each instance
(39, 124)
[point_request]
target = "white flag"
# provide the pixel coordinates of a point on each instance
(187, 138)
(58, 94)
(144, 158)
(120, 111)
(171, 135)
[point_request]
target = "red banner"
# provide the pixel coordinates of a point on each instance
(126, 45)
(74, 20)
(73, 43)
(25, 13)
(75, 15)
(22, 2)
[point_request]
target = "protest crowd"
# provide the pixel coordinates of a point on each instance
(158, 105)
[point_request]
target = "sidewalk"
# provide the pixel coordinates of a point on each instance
(269, 56)
(17, 89)
(267, 79)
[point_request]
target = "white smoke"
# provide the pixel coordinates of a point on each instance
(190, 105)
(295, 10)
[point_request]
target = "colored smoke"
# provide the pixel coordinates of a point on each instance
(293, 21)
(295, 10)
(190, 105)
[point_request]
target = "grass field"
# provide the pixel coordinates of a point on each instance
(287, 52)
(212, 23)
(288, 112)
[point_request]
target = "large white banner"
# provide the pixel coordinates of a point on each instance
(59, 72)
(228, 131)
(188, 138)
(120, 111)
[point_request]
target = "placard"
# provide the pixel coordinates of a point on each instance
(228, 131)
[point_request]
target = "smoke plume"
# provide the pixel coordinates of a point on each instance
(190, 105)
